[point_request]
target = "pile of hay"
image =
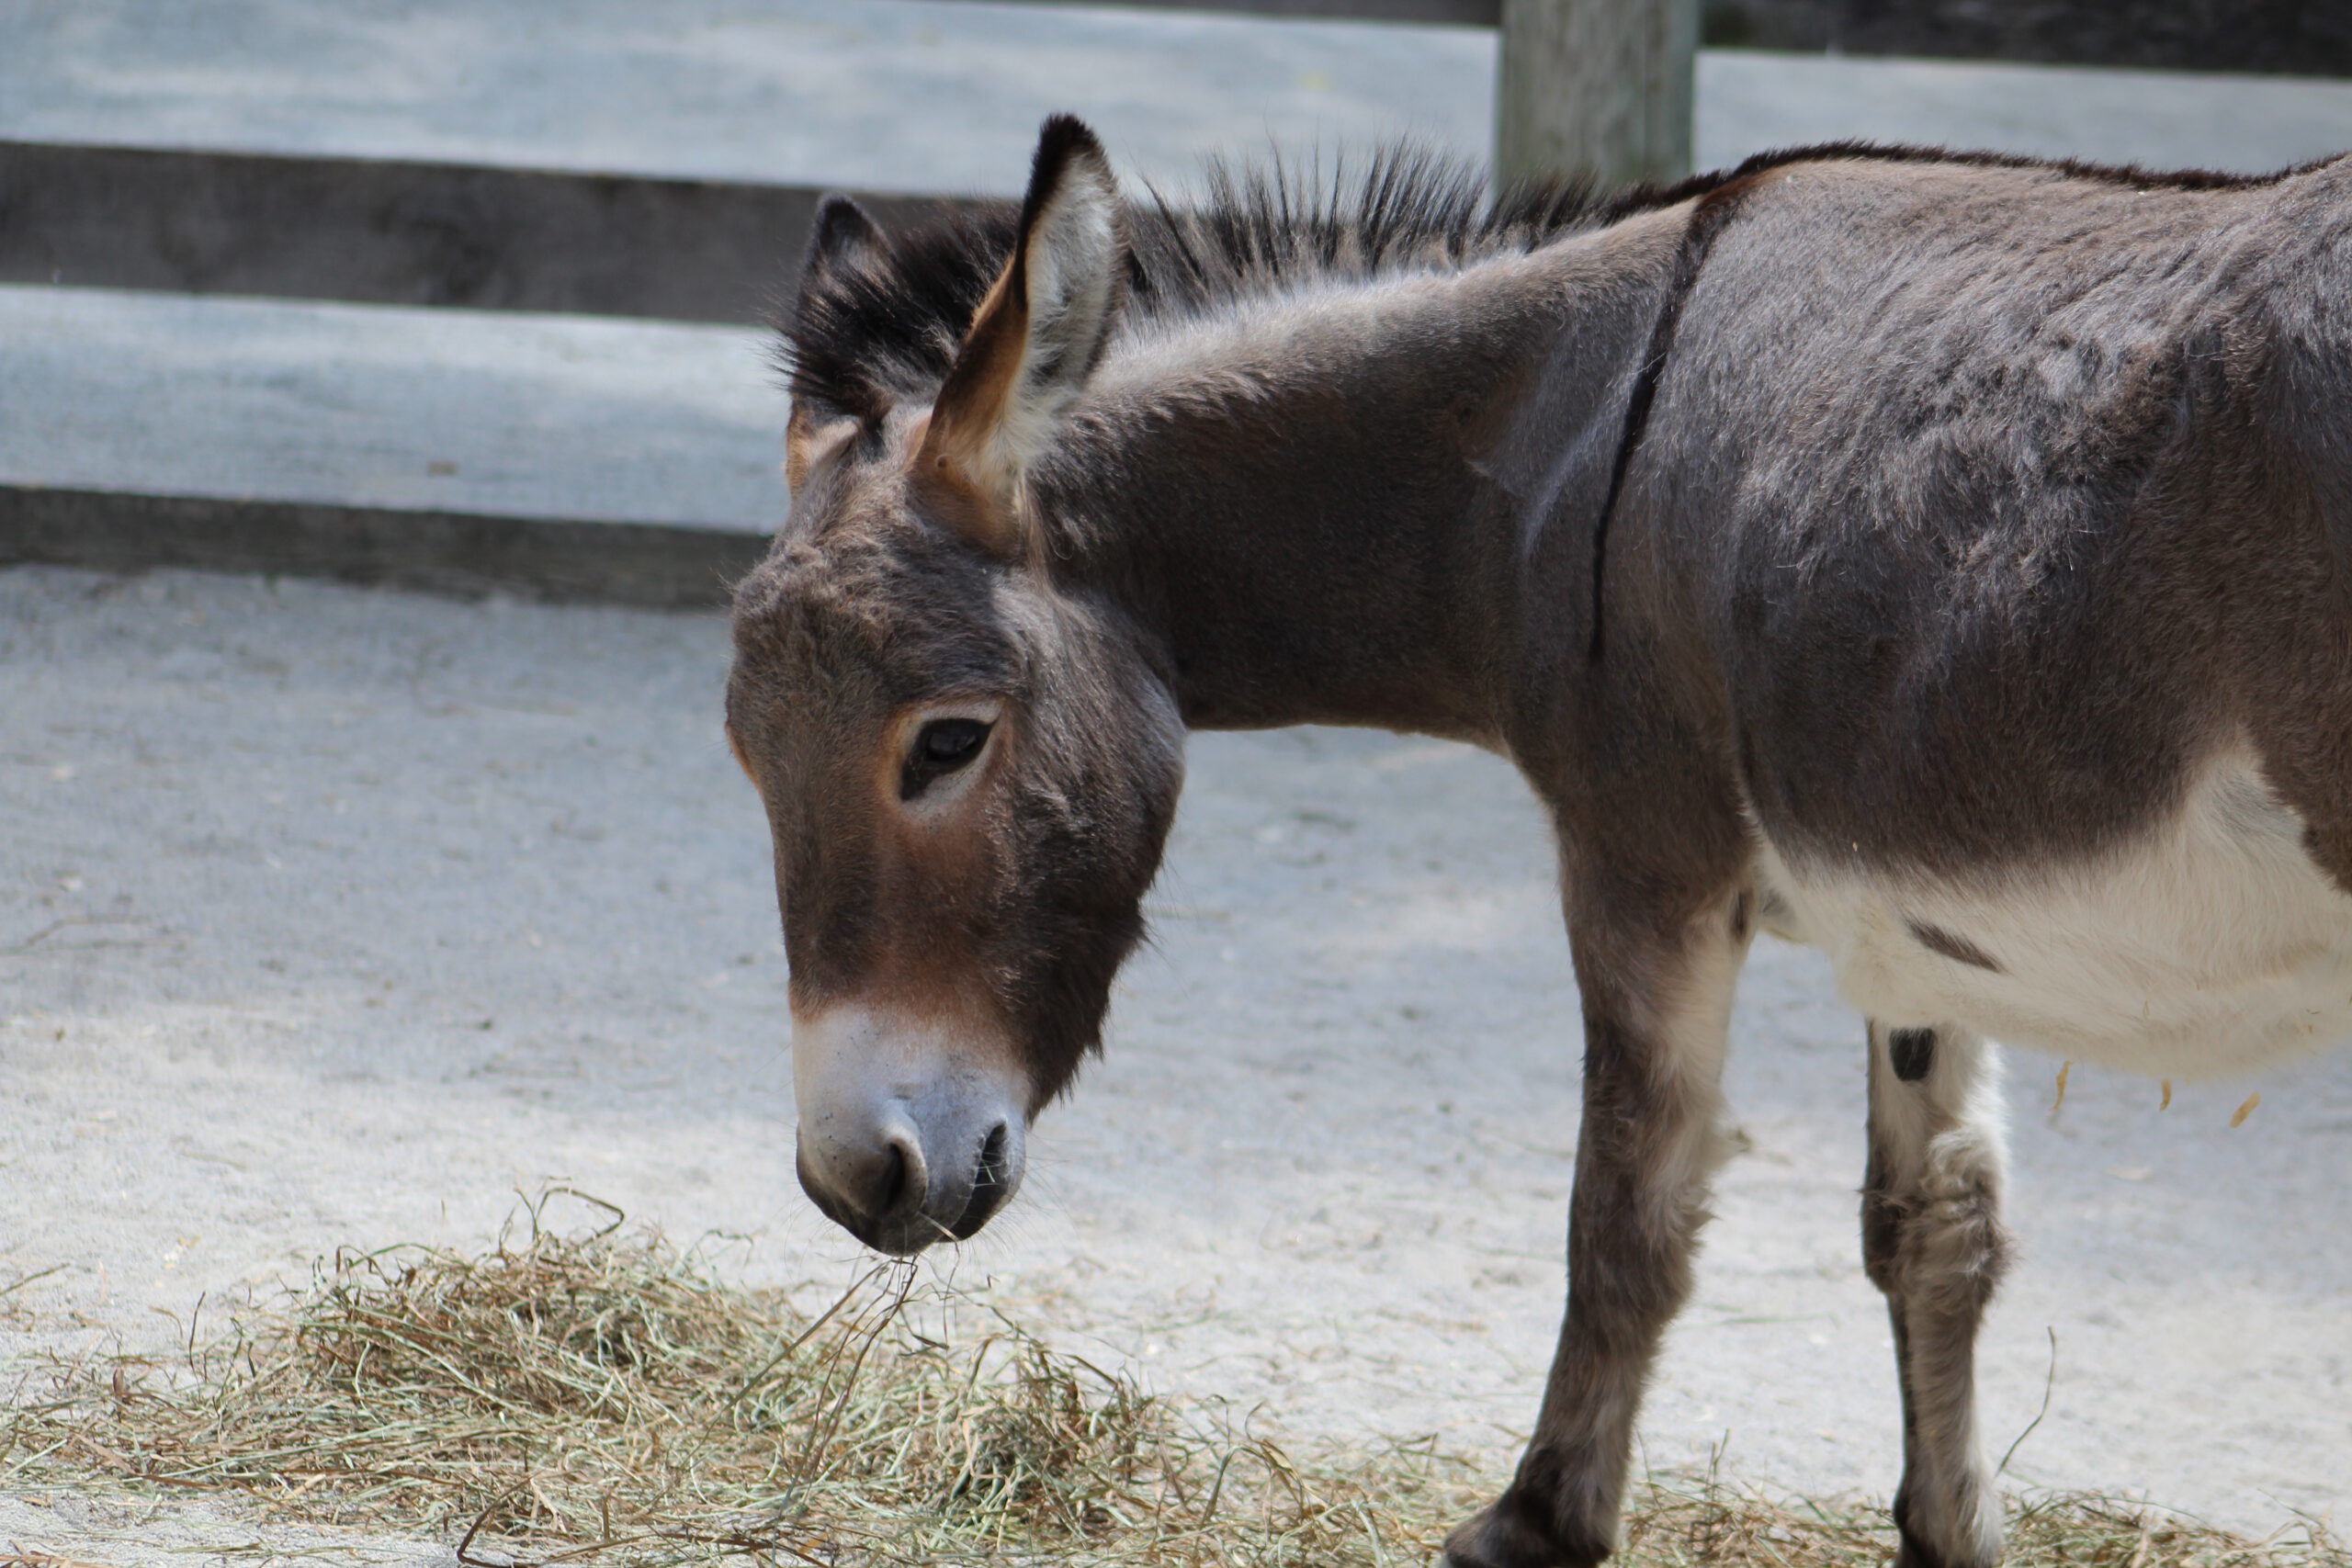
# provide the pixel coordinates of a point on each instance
(602, 1399)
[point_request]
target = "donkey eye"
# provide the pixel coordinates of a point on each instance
(942, 746)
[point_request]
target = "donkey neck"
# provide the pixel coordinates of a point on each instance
(1324, 506)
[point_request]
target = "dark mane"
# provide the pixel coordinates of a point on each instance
(1264, 228)
(866, 338)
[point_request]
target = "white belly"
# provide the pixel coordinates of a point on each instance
(2212, 945)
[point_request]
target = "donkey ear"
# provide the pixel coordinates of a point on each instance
(1033, 341)
(840, 236)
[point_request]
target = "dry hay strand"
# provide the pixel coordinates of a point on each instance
(602, 1398)
(1703, 1522)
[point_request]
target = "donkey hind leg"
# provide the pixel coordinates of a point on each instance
(1655, 1017)
(1932, 1241)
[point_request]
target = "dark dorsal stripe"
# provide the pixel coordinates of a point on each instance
(1645, 197)
(1912, 1051)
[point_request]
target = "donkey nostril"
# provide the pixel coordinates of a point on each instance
(992, 1172)
(894, 1181)
(991, 1184)
(904, 1183)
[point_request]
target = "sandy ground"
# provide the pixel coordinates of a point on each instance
(333, 917)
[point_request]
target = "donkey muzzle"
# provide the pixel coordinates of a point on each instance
(905, 1140)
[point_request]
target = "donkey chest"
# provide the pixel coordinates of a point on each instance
(2209, 944)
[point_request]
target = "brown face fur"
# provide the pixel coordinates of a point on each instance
(968, 767)
(1001, 896)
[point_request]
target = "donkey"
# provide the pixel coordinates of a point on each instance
(1944, 560)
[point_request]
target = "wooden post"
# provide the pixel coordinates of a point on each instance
(1595, 88)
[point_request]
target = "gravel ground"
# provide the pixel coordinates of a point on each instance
(335, 917)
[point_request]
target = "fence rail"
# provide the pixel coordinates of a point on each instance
(389, 233)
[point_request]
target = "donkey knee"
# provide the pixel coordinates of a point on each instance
(1952, 1249)
(1946, 1255)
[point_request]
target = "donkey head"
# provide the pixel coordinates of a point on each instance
(968, 769)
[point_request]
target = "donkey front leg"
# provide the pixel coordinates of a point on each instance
(1657, 1011)
(1932, 1241)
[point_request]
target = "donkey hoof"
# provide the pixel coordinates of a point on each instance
(1916, 1552)
(1509, 1533)
(1970, 1531)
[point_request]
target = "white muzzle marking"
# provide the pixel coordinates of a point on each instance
(912, 1131)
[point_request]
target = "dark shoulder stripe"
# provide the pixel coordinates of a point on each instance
(1718, 201)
